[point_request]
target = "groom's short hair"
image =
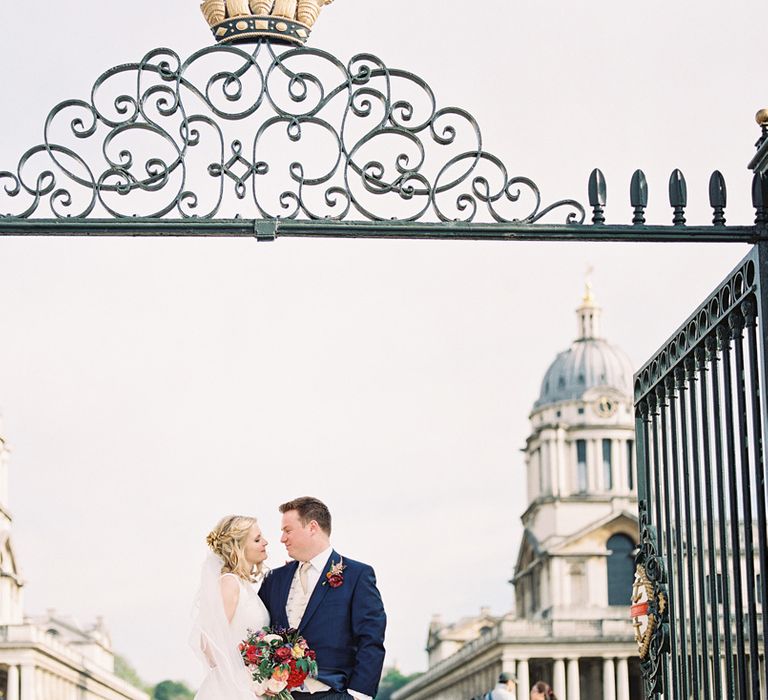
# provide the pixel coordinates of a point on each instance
(310, 509)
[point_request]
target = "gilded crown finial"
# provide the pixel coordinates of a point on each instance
(762, 117)
(238, 21)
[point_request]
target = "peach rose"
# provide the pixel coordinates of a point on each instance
(275, 686)
(281, 674)
(259, 687)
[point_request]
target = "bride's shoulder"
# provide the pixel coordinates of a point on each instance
(229, 582)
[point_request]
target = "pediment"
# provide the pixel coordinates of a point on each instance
(593, 538)
(530, 551)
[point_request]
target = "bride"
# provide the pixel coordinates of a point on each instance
(228, 606)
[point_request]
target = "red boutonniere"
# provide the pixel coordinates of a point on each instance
(335, 575)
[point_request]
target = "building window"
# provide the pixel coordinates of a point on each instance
(631, 464)
(621, 569)
(607, 465)
(581, 466)
(719, 588)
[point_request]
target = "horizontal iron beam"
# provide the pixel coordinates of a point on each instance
(268, 229)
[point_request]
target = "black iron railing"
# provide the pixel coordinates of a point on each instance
(263, 142)
(700, 428)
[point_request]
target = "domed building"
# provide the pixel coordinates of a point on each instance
(574, 572)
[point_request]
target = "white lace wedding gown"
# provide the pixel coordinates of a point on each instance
(226, 680)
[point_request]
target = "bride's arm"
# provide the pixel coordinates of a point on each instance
(230, 594)
(207, 653)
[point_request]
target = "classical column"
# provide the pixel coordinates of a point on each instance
(543, 461)
(562, 452)
(28, 690)
(574, 692)
(13, 683)
(622, 466)
(523, 680)
(559, 680)
(508, 665)
(609, 680)
(622, 679)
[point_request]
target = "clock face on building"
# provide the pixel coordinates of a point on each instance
(605, 407)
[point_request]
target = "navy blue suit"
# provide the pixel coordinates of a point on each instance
(345, 625)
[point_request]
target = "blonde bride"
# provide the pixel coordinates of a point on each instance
(227, 606)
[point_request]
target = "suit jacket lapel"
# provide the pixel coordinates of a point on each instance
(318, 595)
(285, 588)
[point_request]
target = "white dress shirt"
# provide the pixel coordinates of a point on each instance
(317, 570)
(314, 574)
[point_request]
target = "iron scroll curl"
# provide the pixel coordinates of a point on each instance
(267, 134)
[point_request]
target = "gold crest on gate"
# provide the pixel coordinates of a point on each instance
(646, 611)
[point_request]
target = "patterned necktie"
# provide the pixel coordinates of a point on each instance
(303, 576)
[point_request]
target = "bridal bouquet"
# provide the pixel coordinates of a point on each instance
(278, 660)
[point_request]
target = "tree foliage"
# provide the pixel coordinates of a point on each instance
(391, 681)
(171, 690)
(166, 690)
(128, 673)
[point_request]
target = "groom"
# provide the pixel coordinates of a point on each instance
(333, 602)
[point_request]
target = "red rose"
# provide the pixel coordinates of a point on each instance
(296, 677)
(252, 655)
(335, 581)
(283, 653)
(309, 654)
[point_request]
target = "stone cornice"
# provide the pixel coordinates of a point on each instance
(61, 660)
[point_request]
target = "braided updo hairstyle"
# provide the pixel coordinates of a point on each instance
(227, 540)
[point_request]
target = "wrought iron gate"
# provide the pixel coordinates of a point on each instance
(701, 421)
(700, 405)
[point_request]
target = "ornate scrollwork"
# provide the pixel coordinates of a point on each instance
(650, 615)
(721, 308)
(263, 134)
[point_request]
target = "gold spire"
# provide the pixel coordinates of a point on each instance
(588, 314)
(589, 297)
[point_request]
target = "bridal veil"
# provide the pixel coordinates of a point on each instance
(214, 641)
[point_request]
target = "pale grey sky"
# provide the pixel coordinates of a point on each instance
(150, 386)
